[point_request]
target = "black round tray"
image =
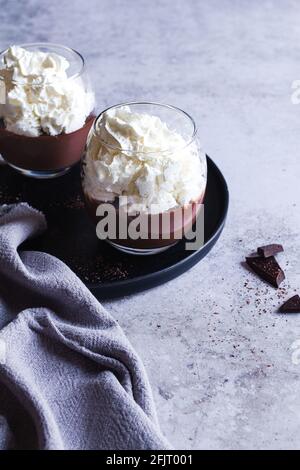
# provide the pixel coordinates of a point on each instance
(71, 236)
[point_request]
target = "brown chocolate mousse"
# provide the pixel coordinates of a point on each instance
(44, 152)
(181, 222)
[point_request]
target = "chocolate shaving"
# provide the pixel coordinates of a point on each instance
(267, 269)
(269, 250)
(292, 305)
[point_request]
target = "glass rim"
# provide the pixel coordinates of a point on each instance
(152, 103)
(49, 45)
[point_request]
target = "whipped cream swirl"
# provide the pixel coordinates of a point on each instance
(37, 96)
(139, 156)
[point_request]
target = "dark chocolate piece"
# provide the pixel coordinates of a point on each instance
(269, 250)
(267, 269)
(292, 305)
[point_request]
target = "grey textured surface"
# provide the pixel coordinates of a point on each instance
(218, 356)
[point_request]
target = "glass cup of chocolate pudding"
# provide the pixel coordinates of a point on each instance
(46, 108)
(143, 176)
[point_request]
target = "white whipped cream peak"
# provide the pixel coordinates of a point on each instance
(139, 156)
(39, 95)
(136, 132)
(34, 67)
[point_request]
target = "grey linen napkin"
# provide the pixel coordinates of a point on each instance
(69, 378)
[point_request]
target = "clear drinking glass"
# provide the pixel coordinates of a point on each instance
(44, 123)
(163, 226)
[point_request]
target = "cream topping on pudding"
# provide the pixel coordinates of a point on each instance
(137, 155)
(37, 96)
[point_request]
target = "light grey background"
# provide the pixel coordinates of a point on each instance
(218, 356)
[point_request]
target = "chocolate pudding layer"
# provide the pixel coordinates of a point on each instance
(44, 152)
(160, 233)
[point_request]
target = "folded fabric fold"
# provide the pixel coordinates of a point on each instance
(69, 378)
